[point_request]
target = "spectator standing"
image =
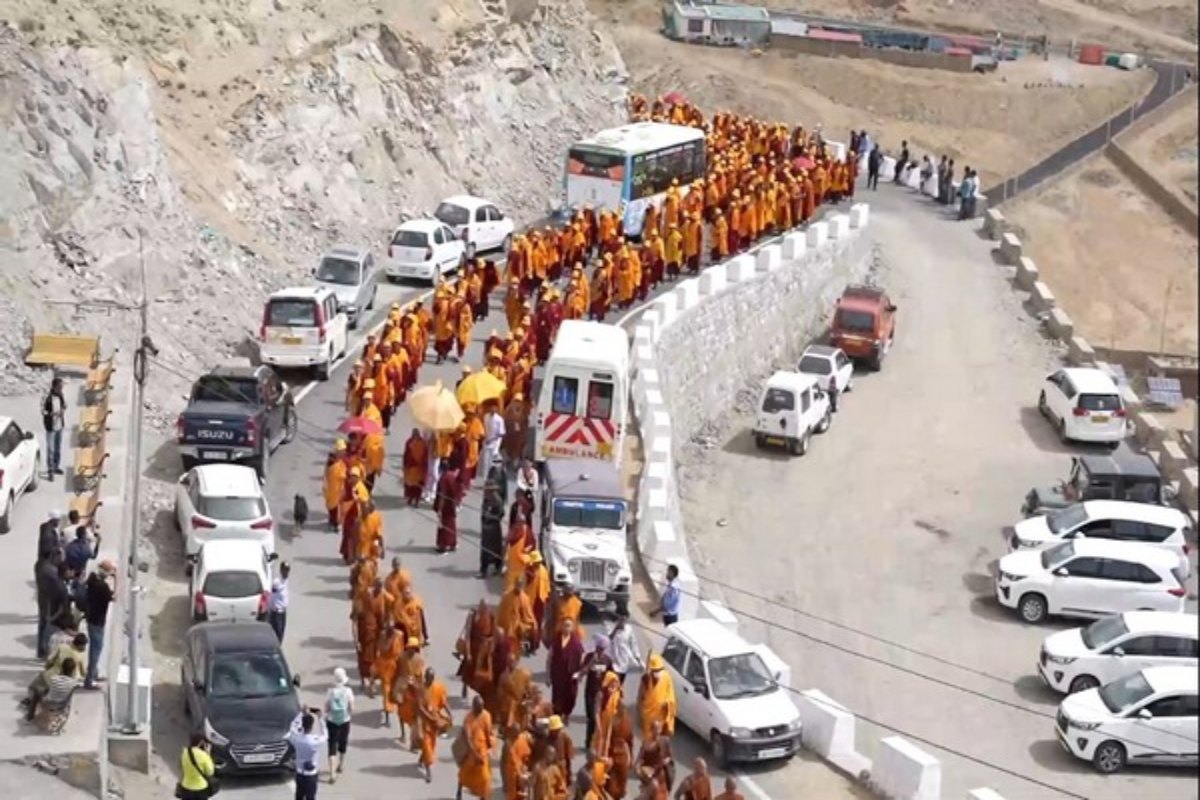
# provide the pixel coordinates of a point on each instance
(493, 423)
(874, 162)
(196, 770)
(54, 413)
(99, 594)
(339, 707)
(52, 599)
(277, 603)
(625, 653)
(306, 735)
(671, 597)
(901, 162)
(491, 534)
(80, 550)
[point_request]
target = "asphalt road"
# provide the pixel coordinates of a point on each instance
(887, 528)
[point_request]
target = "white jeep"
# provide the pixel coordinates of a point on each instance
(793, 407)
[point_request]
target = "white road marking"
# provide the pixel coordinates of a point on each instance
(750, 785)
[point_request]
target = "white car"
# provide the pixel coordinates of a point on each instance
(303, 328)
(222, 501)
(827, 364)
(1090, 578)
(18, 468)
(349, 272)
(726, 693)
(478, 222)
(792, 408)
(1119, 520)
(1085, 405)
(1113, 647)
(424, 249)
(231, 582)
(1147, 717)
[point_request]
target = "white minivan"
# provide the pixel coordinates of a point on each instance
(1084, 405)
(231, 581)
(726, 693)
(792, 408)
(303, 328)
(585, 389)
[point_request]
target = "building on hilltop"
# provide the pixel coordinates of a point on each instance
(717, 23)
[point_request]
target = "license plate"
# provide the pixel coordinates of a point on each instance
(292, 340)
(214, 455)
(773, 752)
(1100, 418)
(259, 758)
(776, 440)
(593, 597)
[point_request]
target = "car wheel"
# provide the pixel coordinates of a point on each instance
(760, 441)
(1082, 683)
(1032, 608)
(323, 369)
(1042, 407)
(875, 362)
(1109, 757)
(826, 421)
(188, 463)
(392, 279)
(720, 753)
(800, 446)
(291, 425)
(6, 517)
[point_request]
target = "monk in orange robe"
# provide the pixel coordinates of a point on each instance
(398, 579)
(391, 647)
(433, 718)
(516, 761)
(410, 672)
(416, 467)
(475, 771)
(409, 613)
(369, 613)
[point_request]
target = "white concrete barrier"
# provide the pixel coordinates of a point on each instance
(687, 294)
(718, 612)
(1027, 273)
(652, 319)
(714, 279)
(859, 213)
(1010, 249)
(905, 772)
(655, 475)
(666, 309)
(828, 728)
(794, 246)
(983, 794)
(818, 233)
(741, 268)
(644, 379)
(653, 507)
(647, 401)
(643, 357)
(1041, 297)
(887, 169)
(770, 258)
(839, 226)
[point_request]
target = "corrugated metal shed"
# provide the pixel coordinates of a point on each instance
(732, 13)
(782, 26)
(834, 36)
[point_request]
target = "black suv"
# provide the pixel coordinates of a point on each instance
(239, 692)
(1124, 475)
(236, 414)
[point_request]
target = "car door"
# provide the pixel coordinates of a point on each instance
(1135, 654)
(452, 249)
(696, 692)
(845, 370)
(1082, 590)
(14, 461)
(1168, 736)
(479, 230)
(1055, 399)
(340, 327)
(1134, 586)
(675, 654)
(184, 507)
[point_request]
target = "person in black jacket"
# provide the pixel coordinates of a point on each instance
(874, 162)
(54, 413)
(491, 534)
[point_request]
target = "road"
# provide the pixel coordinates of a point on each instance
(319, 637)
(889, 525)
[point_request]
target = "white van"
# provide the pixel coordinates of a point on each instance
(303, 327)
(793, 407)
(727, 694)
(584, 395)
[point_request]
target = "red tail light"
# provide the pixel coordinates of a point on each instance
(1178, 591)
(199, 607)
(1120, 412)
(201, 522)
(251, 432)
(321, 324)
(1079, 412)
(428, 253)
(262, 329)
(262, 525)
(179, 428)
(262, 604)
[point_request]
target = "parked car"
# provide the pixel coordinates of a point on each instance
(1124, 475)
(1112, 647)
(827, 364)
(1084, 405)
(239, 692)
(230, 581)
(726, 693)
(1157, 526)
(236, 415)
(19, 460)
(1090, 578)
(424, 249)
(304, 329)
(1148, 717)
(349, 272)
(222, 501)
(478, 222)
(792, 408)
(864, 324)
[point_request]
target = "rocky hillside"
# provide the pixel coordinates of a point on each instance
(227, 143)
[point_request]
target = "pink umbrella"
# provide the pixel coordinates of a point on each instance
(674, 98)
(802, 162)
(361, 425)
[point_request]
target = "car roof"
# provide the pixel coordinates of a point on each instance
(710, 637)
(1172, 678)
(1138, 512)
(1091, 380)
(1121, 462)
(347, 251)
(820, 350)
(236, 636)
(300, 293)
(584, 477)
(225, 554)
(1127, 551)
(1163, 622)
(423, 224)
(796, 381)
(235, 371)
(228, 480)
(468, 201)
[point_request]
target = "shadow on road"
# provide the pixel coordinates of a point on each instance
(1031, 689)
(166, 625)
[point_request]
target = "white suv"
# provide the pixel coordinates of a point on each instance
(303, 327)
(1084, 404)
(828, 365)
(793, 407)
(1112, 647)
(18, 468)
(1090, 578)
(222, 501)
(477, 222)
(1148, 717)
(1119, 520)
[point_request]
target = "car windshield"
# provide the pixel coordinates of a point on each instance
(608, 516)
(232, 585)
(743, 675)
(1066, 519)
(1053, 556)
(219, 389)
(1103, 631)
(815, 365)
(247, 676)
(855, 320)
(292, 314)
(234, 509)
(1124, 692)
(406, 238)
(778, 400)
(339, 271)
(1099, 402)
(452, 215)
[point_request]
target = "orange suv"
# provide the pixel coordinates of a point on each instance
(864, 324)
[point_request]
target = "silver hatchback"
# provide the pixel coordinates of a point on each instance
(350, 273)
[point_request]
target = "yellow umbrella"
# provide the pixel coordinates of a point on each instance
(478, 388)
(434, 408)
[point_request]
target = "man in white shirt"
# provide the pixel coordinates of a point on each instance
(623, 647)
(307, 734)
(494, 430)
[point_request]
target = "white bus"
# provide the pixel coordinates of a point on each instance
(625, 169)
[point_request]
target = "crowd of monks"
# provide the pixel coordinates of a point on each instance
(760, 179)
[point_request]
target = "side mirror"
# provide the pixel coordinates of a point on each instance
(891, 307)
(1119, 652)
(198, 686)
(1078, 535)
(28, 436)
(273, 557)
(296, 681)
(783, 423)
(1145, 713)
(1062, 572)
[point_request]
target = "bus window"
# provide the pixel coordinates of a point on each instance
(566, 392)
(599, 400)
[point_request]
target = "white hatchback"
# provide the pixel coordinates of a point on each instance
(1090, 578)
(223, 501)
(1112, 647)
(828, 365)
(424, 249)
(1147, 717)
(231, 582)
(477, 222)
(18, 468)
(1084, 404)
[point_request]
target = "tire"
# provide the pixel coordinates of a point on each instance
(875, 362)
(291, 425)
(825, 423)
(760, 441)
(1033, 608)
(623, 608)
(322, 370)
(188, 462)
(1109, 757)
(1043, 409)
(1082, 683)
(392, 279)
(720, 752)
(800, 445)
(6, 517)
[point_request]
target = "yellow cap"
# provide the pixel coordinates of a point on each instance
(655, 662)
(556, 723)
(339, 445)
(413, 642)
